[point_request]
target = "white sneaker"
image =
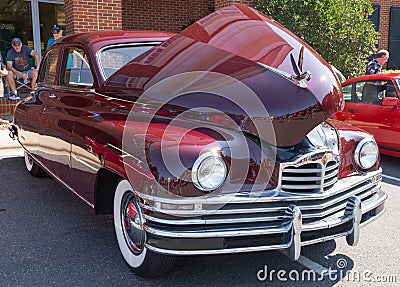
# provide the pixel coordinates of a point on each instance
(13, 96)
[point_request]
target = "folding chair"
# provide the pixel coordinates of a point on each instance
(22, 86)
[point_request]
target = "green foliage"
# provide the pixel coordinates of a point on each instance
(390, 71)
(339, 30)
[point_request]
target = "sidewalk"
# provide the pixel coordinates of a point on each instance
(8, 147)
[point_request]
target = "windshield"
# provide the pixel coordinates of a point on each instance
(398, 84)
(113, 58)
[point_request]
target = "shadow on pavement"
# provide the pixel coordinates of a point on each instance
(49, 237)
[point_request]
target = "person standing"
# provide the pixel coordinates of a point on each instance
(57, 33)
(375, 66)
(18, 66)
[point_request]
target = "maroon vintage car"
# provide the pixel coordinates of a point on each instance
(211, 141)
(372, 103)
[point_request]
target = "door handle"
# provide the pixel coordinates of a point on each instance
(352, 110)
(52, 96)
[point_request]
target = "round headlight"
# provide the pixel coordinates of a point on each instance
(209, 172)
(366, 153)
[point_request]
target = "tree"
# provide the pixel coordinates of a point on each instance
(339, 30)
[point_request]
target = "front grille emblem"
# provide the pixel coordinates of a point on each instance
(325, 159)
(315, 174)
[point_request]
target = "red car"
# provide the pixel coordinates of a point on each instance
(372, 104)
(212, 141)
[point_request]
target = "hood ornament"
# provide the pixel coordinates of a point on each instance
(300, 76)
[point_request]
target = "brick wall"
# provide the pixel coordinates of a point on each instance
(7, 106)
(163, 15)
(222, 3)
(93, 15)
(384, 20)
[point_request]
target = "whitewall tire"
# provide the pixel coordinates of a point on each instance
(131, 237)
(33, 167)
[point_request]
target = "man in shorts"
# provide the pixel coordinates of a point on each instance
(19, 67)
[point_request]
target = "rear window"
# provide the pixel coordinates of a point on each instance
(113, 58)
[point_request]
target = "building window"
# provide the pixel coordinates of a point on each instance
(16, 18)
(375, 16)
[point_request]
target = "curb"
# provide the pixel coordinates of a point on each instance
(4, 123)
(8, 146)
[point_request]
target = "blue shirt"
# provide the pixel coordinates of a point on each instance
(49, 42)
(373, 67)
(20, 61)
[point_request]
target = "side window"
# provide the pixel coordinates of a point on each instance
(347, 93)
(371, 92)
(352, 92)
(49, 68)
(76, 71)
(391, 90)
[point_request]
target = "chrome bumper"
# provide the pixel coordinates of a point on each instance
(281, 222)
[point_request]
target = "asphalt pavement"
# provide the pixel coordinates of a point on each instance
(48, 237)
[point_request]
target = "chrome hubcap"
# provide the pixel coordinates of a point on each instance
(28, 161)
(132, 223)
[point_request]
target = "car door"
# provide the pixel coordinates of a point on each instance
(57, 122)
(364, 109)
(389, 117)
(76, 95)
(46, 82)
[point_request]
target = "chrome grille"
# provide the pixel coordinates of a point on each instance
(310, 177)
(258, 216)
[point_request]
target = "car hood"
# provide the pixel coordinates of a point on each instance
(240, 63)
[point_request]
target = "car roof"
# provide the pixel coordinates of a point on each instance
(385, 76)
(98, 39)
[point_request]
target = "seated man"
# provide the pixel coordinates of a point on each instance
(18, 66)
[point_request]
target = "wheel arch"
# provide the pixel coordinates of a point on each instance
(106, 182)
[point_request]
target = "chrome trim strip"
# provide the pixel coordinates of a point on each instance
(267, 209)
(201, 221)
(336, 208)
(301, 179)
(323, 239)
(216, 251)
(369, 220)
(255, 219)
(61, 181)
(219, 233)
(354, 210)
(342, 186)
(374, 202)
(262, 248)
(302, 170)
(329, 222)
(297, 187)
(294, 250)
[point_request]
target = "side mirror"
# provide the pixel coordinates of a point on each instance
(390, 102)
